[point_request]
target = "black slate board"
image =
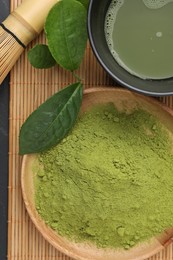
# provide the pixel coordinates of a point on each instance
(4, 112)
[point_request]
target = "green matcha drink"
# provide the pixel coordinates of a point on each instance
(139, 34)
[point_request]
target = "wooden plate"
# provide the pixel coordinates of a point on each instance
(123, 99)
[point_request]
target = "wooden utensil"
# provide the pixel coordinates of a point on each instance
(122, 99)
(20, 28)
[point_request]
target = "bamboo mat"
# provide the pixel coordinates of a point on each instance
(29, 88)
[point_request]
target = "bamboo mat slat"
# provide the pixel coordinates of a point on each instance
(28, 89)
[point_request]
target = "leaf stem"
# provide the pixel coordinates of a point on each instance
(76, 76)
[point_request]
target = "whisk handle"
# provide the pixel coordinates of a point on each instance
(27, 21)
(19, 29)
(34, 12)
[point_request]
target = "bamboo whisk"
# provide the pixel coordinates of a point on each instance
(20, 28)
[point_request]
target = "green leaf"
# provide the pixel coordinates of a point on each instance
(40, 57)
(66, 31)
(47, 125)
(84, 2)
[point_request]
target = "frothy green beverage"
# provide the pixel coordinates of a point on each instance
(139, 34)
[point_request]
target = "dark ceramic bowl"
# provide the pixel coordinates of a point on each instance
(96, 16)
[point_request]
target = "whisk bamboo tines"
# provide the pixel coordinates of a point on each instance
(20, 28)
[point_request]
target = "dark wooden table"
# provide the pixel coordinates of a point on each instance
(4, 112)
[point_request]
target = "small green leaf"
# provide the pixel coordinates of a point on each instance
(47, 125)
(66, 31)
(84, 2)
(40, 57)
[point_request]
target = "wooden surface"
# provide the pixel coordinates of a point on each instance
(29, 88)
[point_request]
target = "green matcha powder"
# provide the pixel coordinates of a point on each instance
(110, 181)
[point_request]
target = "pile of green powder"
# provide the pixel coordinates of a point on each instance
(110, 181)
